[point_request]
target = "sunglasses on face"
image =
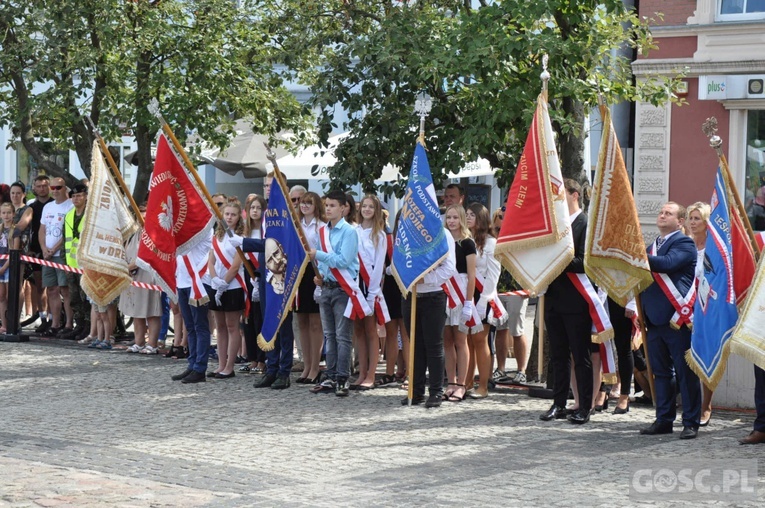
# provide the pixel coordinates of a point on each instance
(295, 200)
(219, 204)
(56, 187)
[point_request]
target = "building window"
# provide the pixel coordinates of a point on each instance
(754, 192)
(740, 10)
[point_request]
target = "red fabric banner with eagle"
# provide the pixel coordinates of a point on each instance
(177, 217)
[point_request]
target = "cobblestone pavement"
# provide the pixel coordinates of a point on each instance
(104, 428)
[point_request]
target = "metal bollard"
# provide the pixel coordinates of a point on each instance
(13, 332)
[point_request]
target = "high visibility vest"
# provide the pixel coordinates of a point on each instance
(70, 242)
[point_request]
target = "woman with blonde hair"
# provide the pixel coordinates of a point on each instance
(698, 219)
(461, 292)
(227, 290)
(372, 248)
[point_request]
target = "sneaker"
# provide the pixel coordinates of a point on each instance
(104, 344)
(326, 386)
(94, 344)
(29, 321)
(519, 379)
(135, 348)
(343, 387)
(498, 374)
(148, 350)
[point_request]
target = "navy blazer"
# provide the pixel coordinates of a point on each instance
(562, 296)
(676, 258)
(259, 246)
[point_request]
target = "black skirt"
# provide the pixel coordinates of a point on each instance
(392, 295)
(231, 301)
(305, 304)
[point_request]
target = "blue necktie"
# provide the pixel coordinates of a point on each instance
(659, 242)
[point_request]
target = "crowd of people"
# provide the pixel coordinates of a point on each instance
(468, 307)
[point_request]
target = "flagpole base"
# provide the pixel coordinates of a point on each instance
(7, 337)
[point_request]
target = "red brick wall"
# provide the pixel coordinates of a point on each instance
(673, 47)
(692, 163)
(676, 12)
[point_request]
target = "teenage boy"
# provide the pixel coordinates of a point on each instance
(338, 258)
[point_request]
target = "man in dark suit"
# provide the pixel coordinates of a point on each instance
(673, 254)
(757, 435)
(569, 325)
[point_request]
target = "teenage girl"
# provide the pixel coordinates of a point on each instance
(253, 228)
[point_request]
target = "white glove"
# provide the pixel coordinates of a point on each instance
(388, 270)
(218, 295)
(371, 302)
(467, 311)
(317, 294)
(235, 241)
(481, 308)
(217, 283)
(255, 293)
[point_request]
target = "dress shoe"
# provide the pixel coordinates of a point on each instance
(416, 400)
(194, 377)
(620, 411)
(580, 417)
(265, 381)
(212, 374)
(182, 375)
(657, 427)
(754, 437)
(689, 432)
(281, 383)
(555, 412)
(224, 376)
(704, 423)
(434, 400)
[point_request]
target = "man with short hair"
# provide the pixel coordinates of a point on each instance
(41, 190)
(296, 192)
(51, 237)
(454, 195)
(73, 225)
(342, 254)
(672, 258)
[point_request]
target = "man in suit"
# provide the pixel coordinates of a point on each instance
(569, 325)
(757, 435)
(674, 255)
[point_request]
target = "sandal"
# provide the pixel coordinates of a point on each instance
(171, 352)
(453, 397)
(386, 380)
(181, 353)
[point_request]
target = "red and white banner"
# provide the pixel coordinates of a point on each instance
(177, 217)
(535, 242)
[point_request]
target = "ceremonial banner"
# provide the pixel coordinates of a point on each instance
(744, 258)
(108, 224)
(286, 260)
(715, 312)
(535, 242)
(421, 242)
(177, 218)
(615, 256)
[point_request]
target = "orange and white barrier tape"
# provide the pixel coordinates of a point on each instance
(67, 268)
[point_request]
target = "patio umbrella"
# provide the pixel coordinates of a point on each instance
(247, 154)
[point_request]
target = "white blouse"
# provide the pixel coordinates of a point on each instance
(488, 266)
(311, 231)
(229, 251)
(372, 257)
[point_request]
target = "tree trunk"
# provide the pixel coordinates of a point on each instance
(572, 142)
(143, 133)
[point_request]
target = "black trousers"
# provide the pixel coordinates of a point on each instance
(570, 336)
(428, 340)
(623, 342)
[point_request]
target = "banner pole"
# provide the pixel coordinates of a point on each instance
(115, 171)
(412, 329)
(154, 109)
(644, 331)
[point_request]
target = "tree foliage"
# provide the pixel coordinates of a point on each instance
(479, 61)
(208, 62)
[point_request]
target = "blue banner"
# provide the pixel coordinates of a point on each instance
(286, 260)
(420, 243)
(715, 312)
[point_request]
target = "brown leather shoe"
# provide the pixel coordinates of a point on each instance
(754, 437)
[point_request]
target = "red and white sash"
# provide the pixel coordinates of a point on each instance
(381, 308)
(497, 312)
(357, 307)
(602, 329)
(455, 289)
(252, 256)
(607, 362)
(227, 263)
(198, 294)
(683, 304)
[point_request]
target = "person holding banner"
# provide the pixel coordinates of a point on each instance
(460, 306)
(227, 291)
(311, 214)
(569, 324)
(341, 299)
(668, 307)
(372, 248)
(698, 217)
